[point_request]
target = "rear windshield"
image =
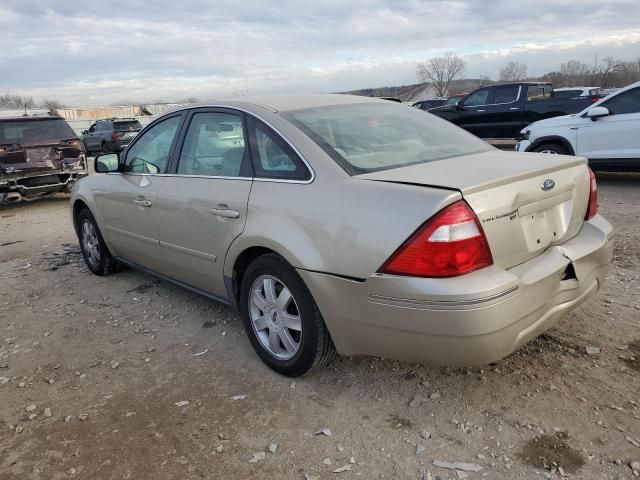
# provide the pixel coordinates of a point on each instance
(127, 125)
(35, 132)
(365, 138)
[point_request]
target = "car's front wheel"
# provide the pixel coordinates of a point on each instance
(552, 148)
(281, 318)
(95, 252)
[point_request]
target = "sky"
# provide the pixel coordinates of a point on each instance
(86, 53)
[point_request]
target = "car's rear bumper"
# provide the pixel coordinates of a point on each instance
(473, 319)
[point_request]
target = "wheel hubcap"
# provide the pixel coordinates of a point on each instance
(551, 152)
(275, 317)
(90, 243)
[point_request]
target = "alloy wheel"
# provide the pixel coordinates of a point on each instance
(275, 317)
(90, 243)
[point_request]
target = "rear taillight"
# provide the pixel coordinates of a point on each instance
(592, 209)
(595, 99)
(451, 243)
(114, 135)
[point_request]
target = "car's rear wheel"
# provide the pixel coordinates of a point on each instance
(95, 252)
(281, 318)
(552, 148)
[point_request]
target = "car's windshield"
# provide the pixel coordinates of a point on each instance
(35, 132)
(369, 137)
(123, 126)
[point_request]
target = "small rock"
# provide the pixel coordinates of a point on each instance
(129, 414)
(47, 412)
(72, 471)
(219, 448)
(424, 434)
(635, 465)
(311, 477)
(182, 403)
(238, 397)
(327, 461)
(22, 385)
(115, 365)
(340, 448)
(258, 457)
(67, 419)
(346, 468)
(592, 350)
(323, 431)
(415, 401)
(19, 429)
(46, 334)
(82, 417)
(31, 408)
(434, 396)
(352, 460)
(273, 448)
(420, 449)
(33, 416)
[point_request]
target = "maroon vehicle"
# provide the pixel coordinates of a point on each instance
(39, 156)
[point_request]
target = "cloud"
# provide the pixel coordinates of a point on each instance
(146, 51)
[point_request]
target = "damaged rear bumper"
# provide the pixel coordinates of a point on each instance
(29, 185)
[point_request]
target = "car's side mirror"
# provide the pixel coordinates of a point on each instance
(598, 112)
(106, 163)
(85, 132)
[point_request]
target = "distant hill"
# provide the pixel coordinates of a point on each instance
(420, 91)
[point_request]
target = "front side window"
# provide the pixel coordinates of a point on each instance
(479, 97)
(150, 153)
(365, 138)
(272, 156)
(214, 146)
(623, 103)
(506, 94)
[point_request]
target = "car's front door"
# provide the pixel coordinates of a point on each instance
(202, 206)
(615, 137)
(473, 111)
(128, 199)
(502, 117)
(91, 140)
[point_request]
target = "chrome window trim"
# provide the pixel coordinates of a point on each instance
(257, 179)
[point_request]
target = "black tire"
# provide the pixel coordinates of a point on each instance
(105, 263)
(552, 148)
(316, 348)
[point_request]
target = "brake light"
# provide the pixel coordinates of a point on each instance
(595, 99)
(451, 243)
(114, 135)
(592, 209)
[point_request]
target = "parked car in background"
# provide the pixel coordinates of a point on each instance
(501, 111)
(335, 222)
(455, 99)
(573, 93)
(391, 99)
(39, 156)
(607, 132)
(110, 135)
(430, 103)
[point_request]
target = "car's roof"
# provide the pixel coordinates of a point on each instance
(30, 118)
(297, 101)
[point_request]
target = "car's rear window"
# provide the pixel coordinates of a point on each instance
(369, 137)
(127, 125)
(35, 132)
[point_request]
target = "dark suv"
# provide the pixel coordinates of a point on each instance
(110, 134)
(39, 156)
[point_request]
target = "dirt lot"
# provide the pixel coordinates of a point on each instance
(95, 373)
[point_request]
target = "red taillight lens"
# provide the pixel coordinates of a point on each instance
(592, 209)
(114, 135)
(451, 243)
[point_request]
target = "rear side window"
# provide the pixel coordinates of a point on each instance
(566, 94)
(127, 126)
(538, 92)
(272, 156)
(213, 146)
(35, 132)
(506, 94)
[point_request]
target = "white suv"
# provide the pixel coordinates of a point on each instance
(607, 132)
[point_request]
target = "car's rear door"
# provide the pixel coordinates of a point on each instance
(127, 199)
(614, 138)
(202, 204)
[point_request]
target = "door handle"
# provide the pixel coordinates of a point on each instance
(225, 212)
(514, 108)
(142, 203)
(480, 110)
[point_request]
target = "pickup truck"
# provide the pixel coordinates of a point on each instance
(502, 111)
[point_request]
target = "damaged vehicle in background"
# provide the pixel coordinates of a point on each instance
(39, 156)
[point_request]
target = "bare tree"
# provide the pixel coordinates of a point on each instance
(607, 70)
(51, 105)
(441, 71)
(575, 73)
(26, 103)
(513, 72)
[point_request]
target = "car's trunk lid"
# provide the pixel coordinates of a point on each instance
(19, 159)
(525, 202)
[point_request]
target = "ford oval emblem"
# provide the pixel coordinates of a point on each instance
(547, 185)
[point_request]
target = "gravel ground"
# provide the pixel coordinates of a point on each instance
(126, 377)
